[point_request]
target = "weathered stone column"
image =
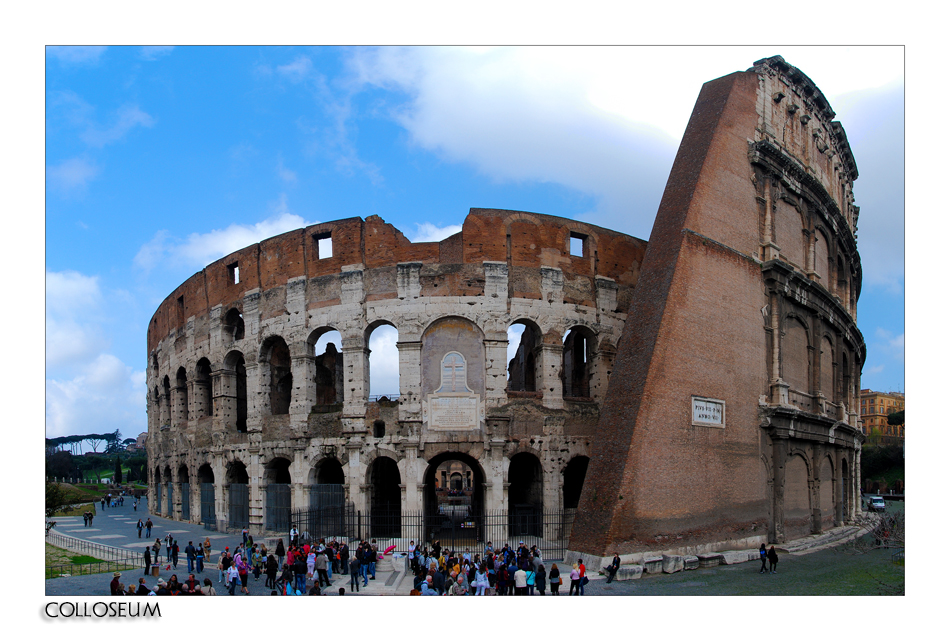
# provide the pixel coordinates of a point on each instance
(410, 381)
(779, 460)
(551, 385)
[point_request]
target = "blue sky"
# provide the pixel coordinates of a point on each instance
(160, 160)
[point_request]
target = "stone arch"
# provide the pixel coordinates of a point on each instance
(277, 380)
(525, 478)
(233, 326)
(166, 401)
(378, 376)
(524, 360)
(822, 253)
(207, 508)
(203, 407)
(238, 495)
(328, 366)
(790, 234)
(181, 395)
(384, 497)
(797, 508)
(826, 492)
(445, 512)
(168, 505)
(578, 362)
(826, 357)
(277, 494)
(233, 393)
(184, 490)
(795, 345)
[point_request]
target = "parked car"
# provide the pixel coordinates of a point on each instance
(876, 504)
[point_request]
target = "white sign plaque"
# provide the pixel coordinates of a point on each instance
(453, 412)
(709, 412)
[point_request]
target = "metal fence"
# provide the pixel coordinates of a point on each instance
(238, 505)
(277, 511)
(549, 530)
(58, 570)
(168, 500)
(92, 549)
(185, 501)
(207, 506)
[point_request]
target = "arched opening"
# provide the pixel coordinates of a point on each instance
(798, 517)
(168, 492)
(795, 359)
(234, 324)
(238, 503)
(327, 512)
(328, 366)
(206, 479)
(276, 376)
(574, 475)
(577, 363)
(826, 494)
(385, 498)
(234, 391)
(203, 389)
(184, 489)
(181, 390)
(844, 493)
(277, 495)
(157, 482)
(524, 345)
(454, 500)
(166, 402)
(383, 361)
(525, 495)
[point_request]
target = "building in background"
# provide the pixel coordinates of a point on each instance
(875, 408)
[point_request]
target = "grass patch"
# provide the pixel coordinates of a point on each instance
(76, 510)
(60, 562)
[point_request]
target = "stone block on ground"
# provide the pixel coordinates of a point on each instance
(731, 557)
(672, 563)
(690, 562)
(629, 572)
(710, 560)
(653, 564)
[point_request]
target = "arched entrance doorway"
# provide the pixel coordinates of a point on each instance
(238, 499)
(574, 475)
(184, 489)
(206, 479)
(454, 500)
(277, 495)
(385, 500)
(525, 495)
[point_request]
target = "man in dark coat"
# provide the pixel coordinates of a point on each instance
(143, 589)
(613, 567)
(191, 555)
(148, 560)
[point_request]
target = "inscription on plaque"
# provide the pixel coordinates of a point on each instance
(709, 412)
(453, 412)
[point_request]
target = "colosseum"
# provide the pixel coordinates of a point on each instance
(693, 393)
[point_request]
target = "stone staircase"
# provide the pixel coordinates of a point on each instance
(815, 542)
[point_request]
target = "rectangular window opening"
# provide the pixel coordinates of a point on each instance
(234, 273)
(578, 244)
(324, 245)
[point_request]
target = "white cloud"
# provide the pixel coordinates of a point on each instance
(887, 343)
(285, 174)
(75, 54)
(198, 250)
(296, 71)
(154, 53)
(127, 118)
(427, 232)
(107, 395)
(73, 307)
(71, 175)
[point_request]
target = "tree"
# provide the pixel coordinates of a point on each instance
(62, 465)
(57, 498)
(896, 418)
(117, 477)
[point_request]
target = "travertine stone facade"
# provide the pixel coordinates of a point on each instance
(731, 417)
(238, 396)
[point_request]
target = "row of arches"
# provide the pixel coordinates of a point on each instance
(815, 495)
(205, 392)
(814, 361)
(326, 486)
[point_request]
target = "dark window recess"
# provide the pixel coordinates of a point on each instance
(379, 428)
(234, 273)
(181, 309)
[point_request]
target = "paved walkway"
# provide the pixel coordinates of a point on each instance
(116, 527)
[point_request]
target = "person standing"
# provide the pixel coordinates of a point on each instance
(280, 552)
(207, 546)
(582, 570)
(615, 565)
(763, 556)
(233, 578)
(575, 581)
(320, 565)
(773, 560)
(540, 580)
(521, 582)
(190, 556)
(148, 560)
(354, 574)
(174, 553)
(364, 554)
(157, 551)
(244, 533)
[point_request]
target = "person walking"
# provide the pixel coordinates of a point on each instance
(582, 570)
(148, 528)
(280, 552)
(207, 546)
(200, 558)
(773, 560)
(615, 565)
(233, 578)
(140, 526)
(763, 556)
(320, 565)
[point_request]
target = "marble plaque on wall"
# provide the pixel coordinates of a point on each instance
(452, 412)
